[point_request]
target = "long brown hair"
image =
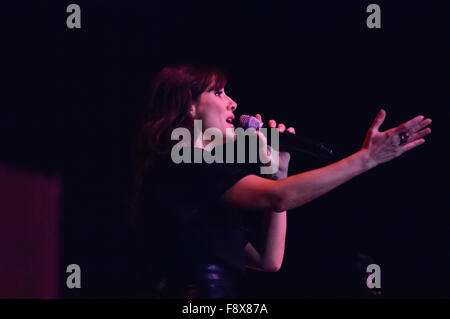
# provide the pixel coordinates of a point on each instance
(173, 91)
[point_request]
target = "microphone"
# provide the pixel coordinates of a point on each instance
(289, 141)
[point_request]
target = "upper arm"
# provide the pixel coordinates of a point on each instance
(252, 193)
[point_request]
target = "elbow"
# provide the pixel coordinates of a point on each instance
(272, 263)
(272, 267)
(278, 202)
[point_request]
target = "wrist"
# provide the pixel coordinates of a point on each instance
(279, 175)
(365, 161)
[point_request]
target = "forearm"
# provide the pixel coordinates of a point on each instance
(272, 251)
(299, 189)
(274, 233)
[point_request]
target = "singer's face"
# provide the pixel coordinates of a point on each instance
(215, 109)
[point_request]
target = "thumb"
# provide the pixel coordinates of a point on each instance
(379, 119)
(262, 138)
(264, 148)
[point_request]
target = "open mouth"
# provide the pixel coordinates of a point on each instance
(230, 120)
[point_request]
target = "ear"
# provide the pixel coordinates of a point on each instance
(192, 111)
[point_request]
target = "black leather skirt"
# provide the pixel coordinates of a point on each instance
(205, 281)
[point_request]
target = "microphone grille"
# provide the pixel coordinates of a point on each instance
(247, 121)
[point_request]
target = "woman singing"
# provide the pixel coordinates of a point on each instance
(194, 240)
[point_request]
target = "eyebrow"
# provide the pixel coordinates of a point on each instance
(213, 88)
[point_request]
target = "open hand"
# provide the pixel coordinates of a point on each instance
(384, 146)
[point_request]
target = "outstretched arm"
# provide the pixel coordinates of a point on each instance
(257, 193)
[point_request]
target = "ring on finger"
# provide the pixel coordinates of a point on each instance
(403, 138)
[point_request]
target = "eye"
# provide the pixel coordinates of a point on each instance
(218, 93)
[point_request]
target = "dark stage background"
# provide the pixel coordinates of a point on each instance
(73, 100)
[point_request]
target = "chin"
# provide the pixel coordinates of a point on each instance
(229, 137)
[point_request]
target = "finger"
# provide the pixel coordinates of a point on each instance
(415, 130)
(258, 116)
(379, 119)
(410, 146)
(281, 127)
(419, 134)
(291, 130)
(410, 125)
(264, 149)
(272, 124)
(422, 125)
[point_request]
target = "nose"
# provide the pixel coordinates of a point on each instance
(232, 105)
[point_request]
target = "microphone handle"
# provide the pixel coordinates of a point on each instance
(304, 145)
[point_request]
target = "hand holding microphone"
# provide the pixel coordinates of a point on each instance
(283, 157)
(289, 141)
